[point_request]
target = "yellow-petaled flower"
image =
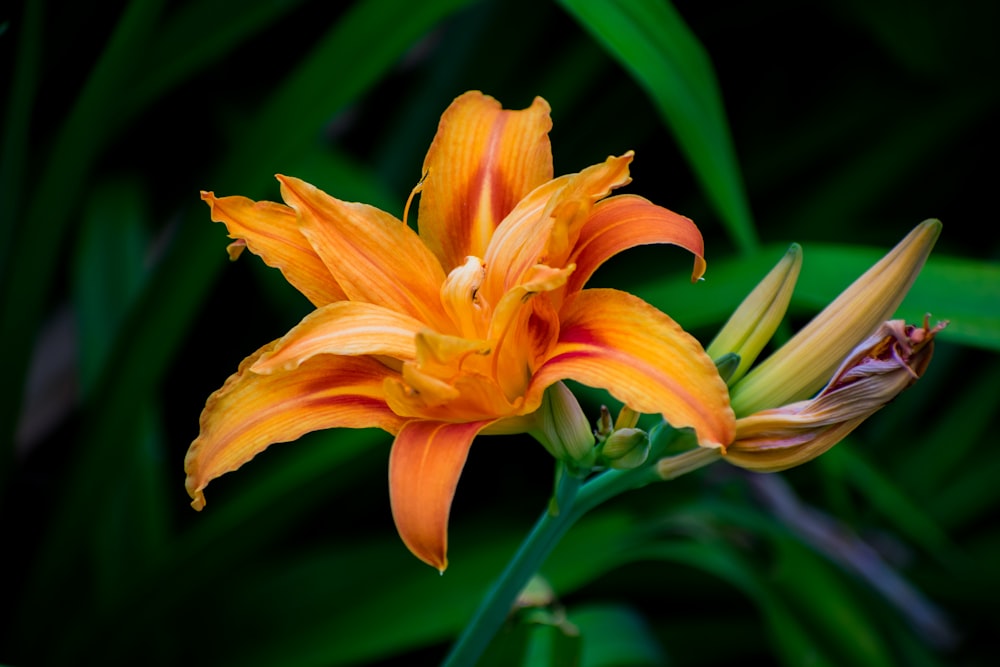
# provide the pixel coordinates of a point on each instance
(458, 329)
(874, 373)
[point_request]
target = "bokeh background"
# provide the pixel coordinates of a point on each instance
(836, 124)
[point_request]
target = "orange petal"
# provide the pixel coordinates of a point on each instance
(472, 398)
(460, 298)
(524, 327)
(424, 466)
(482, 162)
(251, 411)
(545, 225)
(618, 342)
(374, 257)
(348, 328)
(625, 221)
(271, 233)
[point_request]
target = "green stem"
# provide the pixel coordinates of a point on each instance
(573, 498)
(498, 601)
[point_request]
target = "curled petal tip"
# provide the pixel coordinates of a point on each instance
(196, 493)
(698, 272)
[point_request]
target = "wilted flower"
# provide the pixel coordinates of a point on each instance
(874, 373)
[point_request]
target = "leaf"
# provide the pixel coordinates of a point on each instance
(168, 303)
(964, 291)
(194, 36)
(891, 502)
(20, 100)
(835, 616)
(108, 271)
(792, 640)
(44, 221)
(615, 635)
(650, 40)
(955, 445)
(551, 646)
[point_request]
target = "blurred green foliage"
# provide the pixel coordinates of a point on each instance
(839, 125)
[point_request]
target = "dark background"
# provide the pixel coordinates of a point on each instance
(850, 122)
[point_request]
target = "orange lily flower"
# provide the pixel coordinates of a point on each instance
(458, 330)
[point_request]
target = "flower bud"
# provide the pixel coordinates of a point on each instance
(604, 424)
(802, 365)
(627, 418)
(626, 448)
(562, 427)
(751, 326)
(874, 373)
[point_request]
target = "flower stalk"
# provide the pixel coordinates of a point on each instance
(574, 499)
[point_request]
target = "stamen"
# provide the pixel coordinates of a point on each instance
(416, 188)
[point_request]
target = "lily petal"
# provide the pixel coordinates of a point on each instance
(345, 327)
(251, 411)
(374, 257)
(626, 221)
(424, 466)
(546, 224)
(482, 162)
(618, 342)
(271, 232)
(460, 298)
(473, 398)
(524, 327)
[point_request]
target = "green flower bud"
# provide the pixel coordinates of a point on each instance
(626, 448)
(563, 428)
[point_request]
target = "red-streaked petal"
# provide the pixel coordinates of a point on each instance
(424, 466)
(482, 162)
(524, 327)
(618, 342)
(271, 232)
(347, 328)
(545, 225)
(625, 221)
(251, 411)
(374, 257)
